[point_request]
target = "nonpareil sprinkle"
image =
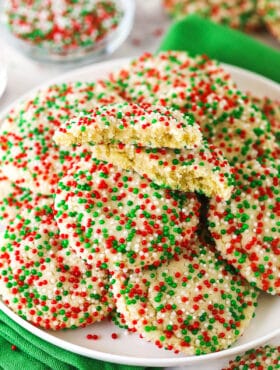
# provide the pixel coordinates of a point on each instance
(62, 26)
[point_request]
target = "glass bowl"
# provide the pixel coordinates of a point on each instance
(97, 39)
(3, 72)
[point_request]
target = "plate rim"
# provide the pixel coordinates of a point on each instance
(136, 361)
(110, 65)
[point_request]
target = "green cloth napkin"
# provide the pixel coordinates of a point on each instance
(201, 36)
(33, 353)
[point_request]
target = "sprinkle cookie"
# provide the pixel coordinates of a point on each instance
(150, 76)
(28, 154)
(15, 199)
(6, 186)
(262, 358)
(240, 14)
(246, 228)
(43, 281)
(120, 219)
(118, 320)
(228, 118)
(202, 169)
(269, 10)
(271, 109)
(62, 26)
(194, 304)
(130, 123)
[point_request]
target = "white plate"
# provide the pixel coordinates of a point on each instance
(128, 348)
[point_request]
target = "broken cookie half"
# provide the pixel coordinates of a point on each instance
(130, 123)
(203, 169)
(162, 144)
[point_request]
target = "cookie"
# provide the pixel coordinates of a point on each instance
(262, 358)
(129, 123)
(6, 186)
(228, 118)
(28, 154)
(269, 10)
(271, 109)
(193, 304)
(43, 281)
(122, 220)
(119, 320)
(202, 169)
(63, 26)
(152, 75)
(246, 228)
(239, 14)
(14, 199)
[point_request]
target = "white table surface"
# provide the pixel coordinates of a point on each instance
(150, 24)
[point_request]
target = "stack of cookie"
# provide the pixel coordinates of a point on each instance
(104, 192)
(246, 15)
(137, 215)
(231, 121)
(42, 279)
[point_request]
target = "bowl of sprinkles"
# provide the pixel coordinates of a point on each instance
(68, 30)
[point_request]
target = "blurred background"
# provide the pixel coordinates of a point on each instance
(141, 32)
